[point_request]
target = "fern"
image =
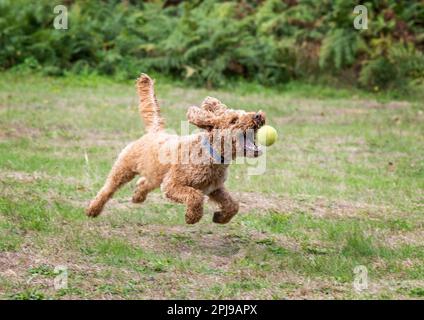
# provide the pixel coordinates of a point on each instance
(339, 48)
(210, 42)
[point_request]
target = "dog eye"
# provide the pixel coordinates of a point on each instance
(234, 120)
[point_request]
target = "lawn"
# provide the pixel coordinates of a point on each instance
(343, 187)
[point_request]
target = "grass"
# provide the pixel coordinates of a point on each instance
(343, 187)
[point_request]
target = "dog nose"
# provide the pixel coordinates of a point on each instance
(258, 118)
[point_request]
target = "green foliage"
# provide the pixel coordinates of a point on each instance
(42, 270)
(401, 65)
(209, 42)
(417, 292)
(339, 48)
(29, 294)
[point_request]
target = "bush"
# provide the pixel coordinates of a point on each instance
(401, 65)
(210, 42)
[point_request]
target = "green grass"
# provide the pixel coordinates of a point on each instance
(343, 187)
(30, 294)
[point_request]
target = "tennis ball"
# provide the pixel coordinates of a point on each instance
(267, 135)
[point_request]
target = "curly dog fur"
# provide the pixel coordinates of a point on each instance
(186, 182)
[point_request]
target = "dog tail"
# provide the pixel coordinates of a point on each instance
(148, 107)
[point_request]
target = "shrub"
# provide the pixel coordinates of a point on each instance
(210, 42)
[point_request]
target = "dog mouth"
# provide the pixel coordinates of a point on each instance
(250, 146)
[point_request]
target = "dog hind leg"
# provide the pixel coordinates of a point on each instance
(141, 191)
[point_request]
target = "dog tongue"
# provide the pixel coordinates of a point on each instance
(251, 146)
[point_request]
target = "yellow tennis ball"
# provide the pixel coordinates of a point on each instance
(267, 135)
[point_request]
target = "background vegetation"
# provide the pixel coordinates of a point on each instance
(210, 42)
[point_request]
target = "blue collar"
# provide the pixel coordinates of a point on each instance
(215, 155)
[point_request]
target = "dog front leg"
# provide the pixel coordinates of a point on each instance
(117, 177)
(193, 199)
(229, 207)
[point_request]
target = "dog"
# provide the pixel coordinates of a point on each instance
(186, 168)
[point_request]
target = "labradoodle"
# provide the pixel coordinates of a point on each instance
(185, 167)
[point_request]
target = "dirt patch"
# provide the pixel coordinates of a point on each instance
(172, 99)
(90, 138)
(11, 261)
(320, 208)
(26, 177)
(373, 104)
(15, 131)
(140, 236)
(15, 266)
(257, 201)
(319, 289)
(279, 240)
(249, 201)
(339, 111)
(415, 238)
(340, 116)
(344, 209)
(99, 139)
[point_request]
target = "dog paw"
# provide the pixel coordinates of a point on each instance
(221, 218)
(138, 198)
(93, 211)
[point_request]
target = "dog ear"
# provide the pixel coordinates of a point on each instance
(213, 105)
(201, 118)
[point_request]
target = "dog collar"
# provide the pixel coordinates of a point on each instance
(215, 155)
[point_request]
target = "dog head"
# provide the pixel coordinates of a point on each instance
(231, 130)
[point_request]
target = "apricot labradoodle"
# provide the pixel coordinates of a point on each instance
(185, 167)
